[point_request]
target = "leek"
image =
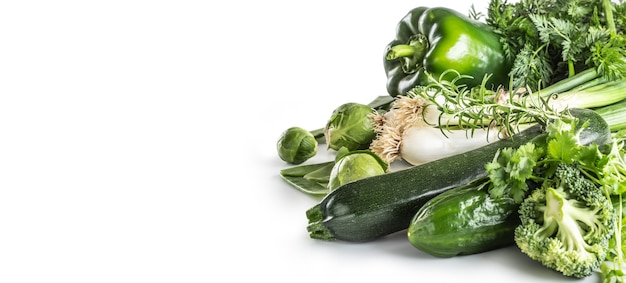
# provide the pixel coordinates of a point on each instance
(614, 114)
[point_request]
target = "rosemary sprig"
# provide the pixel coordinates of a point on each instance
(481, 107)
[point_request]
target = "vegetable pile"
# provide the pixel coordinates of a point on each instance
(512, 129)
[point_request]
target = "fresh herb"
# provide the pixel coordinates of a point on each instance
(551, 40)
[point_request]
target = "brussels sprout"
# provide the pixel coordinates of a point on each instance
(355, 165)
(296, 145)
(351, 125)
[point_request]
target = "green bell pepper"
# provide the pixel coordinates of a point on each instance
(436, 40)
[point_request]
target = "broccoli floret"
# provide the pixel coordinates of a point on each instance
(566, 224)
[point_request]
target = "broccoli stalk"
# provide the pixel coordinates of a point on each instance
(566, 224)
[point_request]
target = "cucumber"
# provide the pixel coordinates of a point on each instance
(374, 207)
(464, 220)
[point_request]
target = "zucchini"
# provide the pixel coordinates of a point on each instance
(464, 220)
(377, 206)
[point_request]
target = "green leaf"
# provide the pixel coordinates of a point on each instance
(310, 179)
(511, 169)
(497, 173)
(300, 171)
(518, 191)
(381, 102)
(563, 145)
(321, 175)
(306, 186)
(590, 156)
(524, 160)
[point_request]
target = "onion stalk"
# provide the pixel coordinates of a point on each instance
(408, 131)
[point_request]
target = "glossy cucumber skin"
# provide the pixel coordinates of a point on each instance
(377, 206)
(461, 221)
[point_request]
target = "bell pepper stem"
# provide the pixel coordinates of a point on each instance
(415, 49)
(412, 54)
(400, 51)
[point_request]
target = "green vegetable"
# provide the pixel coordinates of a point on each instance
(355, 165)
(320, 178)
(377, 206)
(549, 40)
(464, 220)
(313, 179)
(565, 187)
(351, 125)
(614, 115)
(296, 145)
(438, 39)
(579, 91)
(567, 223)
(512, 169)
(306, 178)
(612, 269)
(380, 104)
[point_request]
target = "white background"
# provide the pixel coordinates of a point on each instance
(137, 142)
